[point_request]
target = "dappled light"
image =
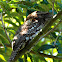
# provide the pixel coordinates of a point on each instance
(20, 17)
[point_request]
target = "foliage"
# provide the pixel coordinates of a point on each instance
(14, 13)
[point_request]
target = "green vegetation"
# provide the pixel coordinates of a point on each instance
(13, 13)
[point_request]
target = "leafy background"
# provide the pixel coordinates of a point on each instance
(14, 12)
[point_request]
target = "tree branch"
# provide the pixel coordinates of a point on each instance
(53, 1)
(40, 54)
(37, 38)
(45, 55)
(51, 29)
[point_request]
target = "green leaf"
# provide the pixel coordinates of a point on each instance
(44, 2)
(0, 10)
(60, 38)
(9, 21)
(45, 47)
(59, 49)
(30, 57)
(53, 34)
(5, 48)
(25, 57)
(17, 20)
(20, 60)
(3, 39)
(2, 57)
(5, 7)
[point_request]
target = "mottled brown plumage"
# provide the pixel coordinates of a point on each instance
(31, 27)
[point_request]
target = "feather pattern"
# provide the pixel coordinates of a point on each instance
(31, 27)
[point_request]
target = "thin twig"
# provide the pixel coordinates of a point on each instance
(45, 55)
(57, 36)
(53, 1)
(5, 29)
(56, 39)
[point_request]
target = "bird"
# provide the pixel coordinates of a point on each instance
(26, 32)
